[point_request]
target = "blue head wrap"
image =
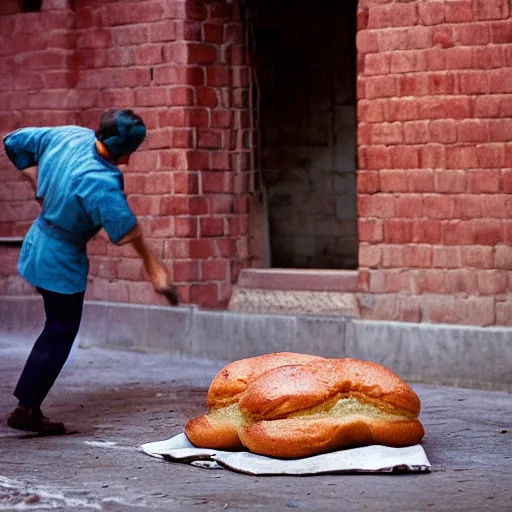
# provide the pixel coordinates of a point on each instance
(131, 134)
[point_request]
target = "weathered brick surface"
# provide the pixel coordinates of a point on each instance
(175, 63)
(436, 102)
(434, 109)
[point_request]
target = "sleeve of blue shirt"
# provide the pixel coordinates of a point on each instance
(24, 146)
(107, 206)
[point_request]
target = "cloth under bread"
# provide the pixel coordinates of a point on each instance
(369, 459)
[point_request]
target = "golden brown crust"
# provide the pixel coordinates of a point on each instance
(289, 389)
(297, 437)
(294, 405)
(233, 379)
(220, 433)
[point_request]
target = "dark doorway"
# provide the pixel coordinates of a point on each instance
(305, 60)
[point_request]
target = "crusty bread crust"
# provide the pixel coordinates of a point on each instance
(293, 388)
(297, 437)
(234, 378)
(219, 428)
(292, 405)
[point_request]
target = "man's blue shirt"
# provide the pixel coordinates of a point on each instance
(80, 192)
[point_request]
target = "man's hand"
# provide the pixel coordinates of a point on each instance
(157, 272)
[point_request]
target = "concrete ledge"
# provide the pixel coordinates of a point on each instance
(465, 356)
(299, 280)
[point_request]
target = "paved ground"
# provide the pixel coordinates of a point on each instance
(117, 401)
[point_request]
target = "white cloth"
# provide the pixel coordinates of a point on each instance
(369, 459)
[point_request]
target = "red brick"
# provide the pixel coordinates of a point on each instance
(367, 42)
(487, 231)
(492, 282)
(416, 84)
(501, 32)
(369, 255)
(443, 130)
(440, 83)
(504, 312)
(178, 75)
(186, 227)
(416, 132)
(467, 206)
(443, 37)
(418, 256)
(506, 181)
(456, 232)
(396, 281)
(459, 57)
(205, 295)
(473, 130)
(409, 205)
(403, 61)
(475, 82)
(438, 206)
(209, 139)
(376, 205)
(370, 230)
(158, 183)
(377, 64)
(446, 257)
(459, 11)
(387, 133)
(472, 34)
(432, 156)
(187, 270)
(214, 270)
(393, 39)
(450, 181)
(431, 13)
(398, 231)
(436, 107)
(420, 180)
(201, 249)
(507, 228)
(487, 106)
(377, 157)
(380, 307)
(500, 130)
(478, 256)
(379, 16)
(368, 182)
(484, 181)
(393, 256)
(501, 80)
(491, 9)
(404, 157)
(393, 181)
(461, 157)
(211, 227)
(497, 205)
(444, 281)
(503, 257)
(490, 57)
(380, 87)
(452, 310)
(197, 160)
(200, 53)
(226, 247)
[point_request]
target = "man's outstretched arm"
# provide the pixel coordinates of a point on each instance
(157, 272)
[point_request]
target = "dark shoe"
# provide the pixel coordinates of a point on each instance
(34, 421)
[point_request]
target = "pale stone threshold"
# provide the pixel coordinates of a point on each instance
(296, 291)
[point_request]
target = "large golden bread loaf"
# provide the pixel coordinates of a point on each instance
(291, 410)
(219, 428)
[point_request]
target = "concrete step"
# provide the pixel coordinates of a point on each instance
(296, 291)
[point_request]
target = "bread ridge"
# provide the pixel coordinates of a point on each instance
(297, 438)
(227, 386)
(294, 388)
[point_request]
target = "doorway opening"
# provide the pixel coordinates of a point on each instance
(304, 57)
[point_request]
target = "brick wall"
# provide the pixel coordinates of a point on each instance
(435, 147)
(307, 69)
(36, 88)
(180, 64)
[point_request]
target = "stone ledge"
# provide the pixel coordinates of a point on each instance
(340, 281)
(466, 356)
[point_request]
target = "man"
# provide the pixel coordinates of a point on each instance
(80, 189)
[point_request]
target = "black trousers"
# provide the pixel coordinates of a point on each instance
(51, 349)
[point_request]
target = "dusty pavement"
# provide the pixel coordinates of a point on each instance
(119, 400)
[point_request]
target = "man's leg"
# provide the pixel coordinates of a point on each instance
(50, 352)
